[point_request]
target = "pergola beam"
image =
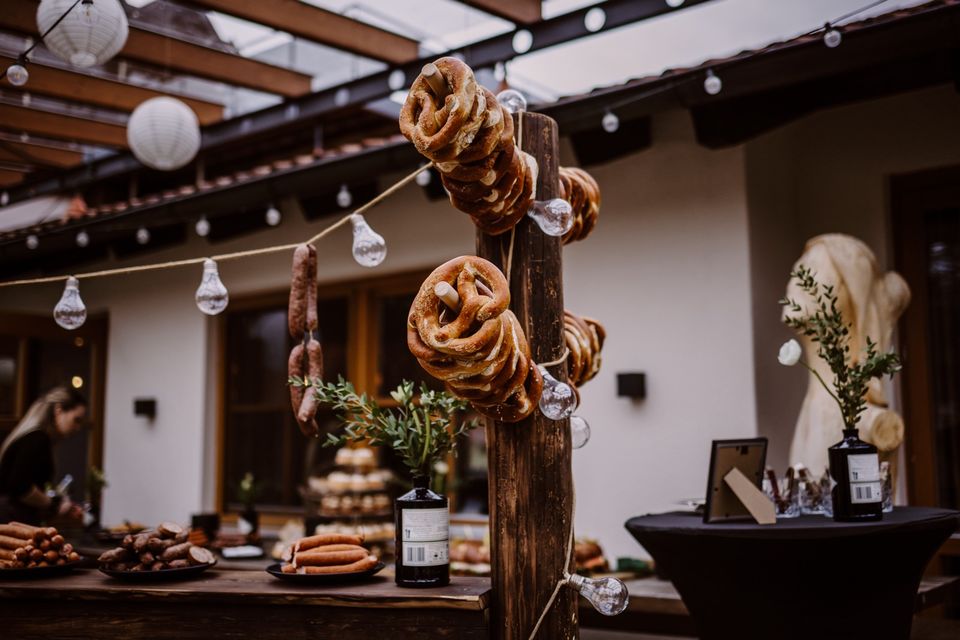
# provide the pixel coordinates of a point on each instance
(8, 177)
(62, 127)
(38, 155)
(320, 25)
(519, 11)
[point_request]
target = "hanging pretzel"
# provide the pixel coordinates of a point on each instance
(584, 338)
(461, 127)
(472, 342)
(582, 192)
(306, 358)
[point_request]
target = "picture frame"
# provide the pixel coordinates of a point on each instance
(749, 455)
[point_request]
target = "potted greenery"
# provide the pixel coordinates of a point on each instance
(854, 464)
(248, 490)
(96, 483)
(422, 430)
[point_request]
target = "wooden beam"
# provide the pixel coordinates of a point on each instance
(521, 11)
(8, 178)
(62, 127)
(103, 92)
(320, 25)
(179, 55)
(38, 155)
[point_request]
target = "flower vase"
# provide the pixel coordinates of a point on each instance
(423, 537)
(855, 467)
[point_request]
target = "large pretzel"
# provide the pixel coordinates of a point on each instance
(479, 351)
(582, 192)
(584, 338)
(461, 127)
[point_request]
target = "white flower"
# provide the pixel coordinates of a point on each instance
(441, 467)
(790, 353)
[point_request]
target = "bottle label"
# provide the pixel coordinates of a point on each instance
(865, 485)
(425, 537)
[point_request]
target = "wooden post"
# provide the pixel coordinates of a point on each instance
(531, 481)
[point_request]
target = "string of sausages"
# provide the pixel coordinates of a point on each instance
(461, 127)
(306, 357)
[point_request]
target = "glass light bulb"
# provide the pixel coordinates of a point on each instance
(4, 199)
(70, 313)
(212, 296)
(272, 216)
(344, 197)
(202, 227)
(610, 122)
(558, 400)
(88, 13)
(554, 217)
(83, 239)
(396, 79)
(423, 178)
(594, 19)
(832, 38)
(17, 74)
(32, 242)
(609, 596)
(143, 235)
(579, 432)
(512, 100)
(673, 4)
(369, 247)
(522, 41)
(712, 85)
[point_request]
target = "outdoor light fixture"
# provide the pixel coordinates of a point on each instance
(554, 217)
(610, 122)
(89, 35)
(344, 197)
(211, 296)
(712, 84)
(609, 596)
(832, 36)
(369, 247)
(83, 239)
(17, 73)
(512, 100)
(558, 400)
(594, 19)
(70, 313)
(579, 432)
(522, 41)
(163, 133)
(202, 227)
(396, 80)
(423, 178)
(32, 242)
(143, 235)
(272, 216)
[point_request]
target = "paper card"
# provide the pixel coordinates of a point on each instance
(758, 504)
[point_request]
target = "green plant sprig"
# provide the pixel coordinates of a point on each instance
(826, 327)
(421, 429)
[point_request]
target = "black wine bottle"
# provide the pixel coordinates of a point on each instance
(423, 537)
(855, 466)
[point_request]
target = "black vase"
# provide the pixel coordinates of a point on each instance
(423, 537)
(855, 466)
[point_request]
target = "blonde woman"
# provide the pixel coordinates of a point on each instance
(26, 457)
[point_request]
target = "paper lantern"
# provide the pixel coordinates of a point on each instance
(163, 133)
(92, 33)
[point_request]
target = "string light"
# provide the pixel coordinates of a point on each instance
(609, 596)
(70, 312)
(4, 199)
(143, 235)
(594, 19)
(610, 122)
(832, 37)
(579, 432)
(17, 73)
(202, 227)
(558, 400)
(212, 296)
(712, 84)
(83, 239)
(512, 100)
(32, 242)
(673, 4)
(272, 216)
(344, 197)
(369, 247)
(423, 179)
(554, 217)
(88, 37)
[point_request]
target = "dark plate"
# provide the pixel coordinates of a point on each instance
(158, 576)
(38, 572)
(323, 578)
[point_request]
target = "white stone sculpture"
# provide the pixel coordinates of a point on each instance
(871, 302)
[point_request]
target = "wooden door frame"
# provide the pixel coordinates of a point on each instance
(910, 196)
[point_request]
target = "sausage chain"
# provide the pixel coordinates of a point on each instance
(480, 352)
(306, 357)
(461, 127)
(583, 193)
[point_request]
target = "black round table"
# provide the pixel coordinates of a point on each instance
(807, 578)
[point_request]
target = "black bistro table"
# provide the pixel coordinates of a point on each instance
(802, 578)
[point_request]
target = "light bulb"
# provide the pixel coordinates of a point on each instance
(369, 247)
(712, 84)
(143, 235)
(579, 432)
(609, 596)
(70, 312)
(83, 239)
(673, 4)
(423, 178)
(831, 37)
(202, 227)
(272, 216)
(344, 197)
(594, 19)
(212, 296)
(512, 100)
(17, 74)
(32, 242)
(554, 217)
(558, 400)
(88, 13)
(4, 199)
(522, 41)
(610, 122)
(396, 79)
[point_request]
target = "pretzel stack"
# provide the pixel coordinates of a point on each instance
(479, 350)
(461, 127)
(306, 358)
(584, 338)
(582, 192)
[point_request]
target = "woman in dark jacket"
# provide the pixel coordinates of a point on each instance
(26, 457)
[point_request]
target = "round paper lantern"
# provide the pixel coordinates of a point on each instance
(163, 133)
(89, 35)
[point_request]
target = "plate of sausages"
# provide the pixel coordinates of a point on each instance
(326, 558)
(164, 553)
(27, 551)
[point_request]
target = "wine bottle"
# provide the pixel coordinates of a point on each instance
(423, 537)
(855, 466)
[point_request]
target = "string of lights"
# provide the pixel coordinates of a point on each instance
(17, 73)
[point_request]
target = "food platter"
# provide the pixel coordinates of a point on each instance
(162, 575)
(39, 572)
(323, 578)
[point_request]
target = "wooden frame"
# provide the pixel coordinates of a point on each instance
(721, 502)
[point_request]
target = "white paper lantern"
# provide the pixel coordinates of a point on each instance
(163, 133)
(90, 35)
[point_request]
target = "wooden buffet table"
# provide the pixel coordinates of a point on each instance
(225, 603)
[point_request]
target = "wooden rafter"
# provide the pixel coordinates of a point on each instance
(62, 127)
(8, 178)
(103, 92)
(38, 155)
(179, 55)
(320, 25)
(520, 11)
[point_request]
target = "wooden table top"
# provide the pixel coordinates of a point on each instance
(254, 587)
